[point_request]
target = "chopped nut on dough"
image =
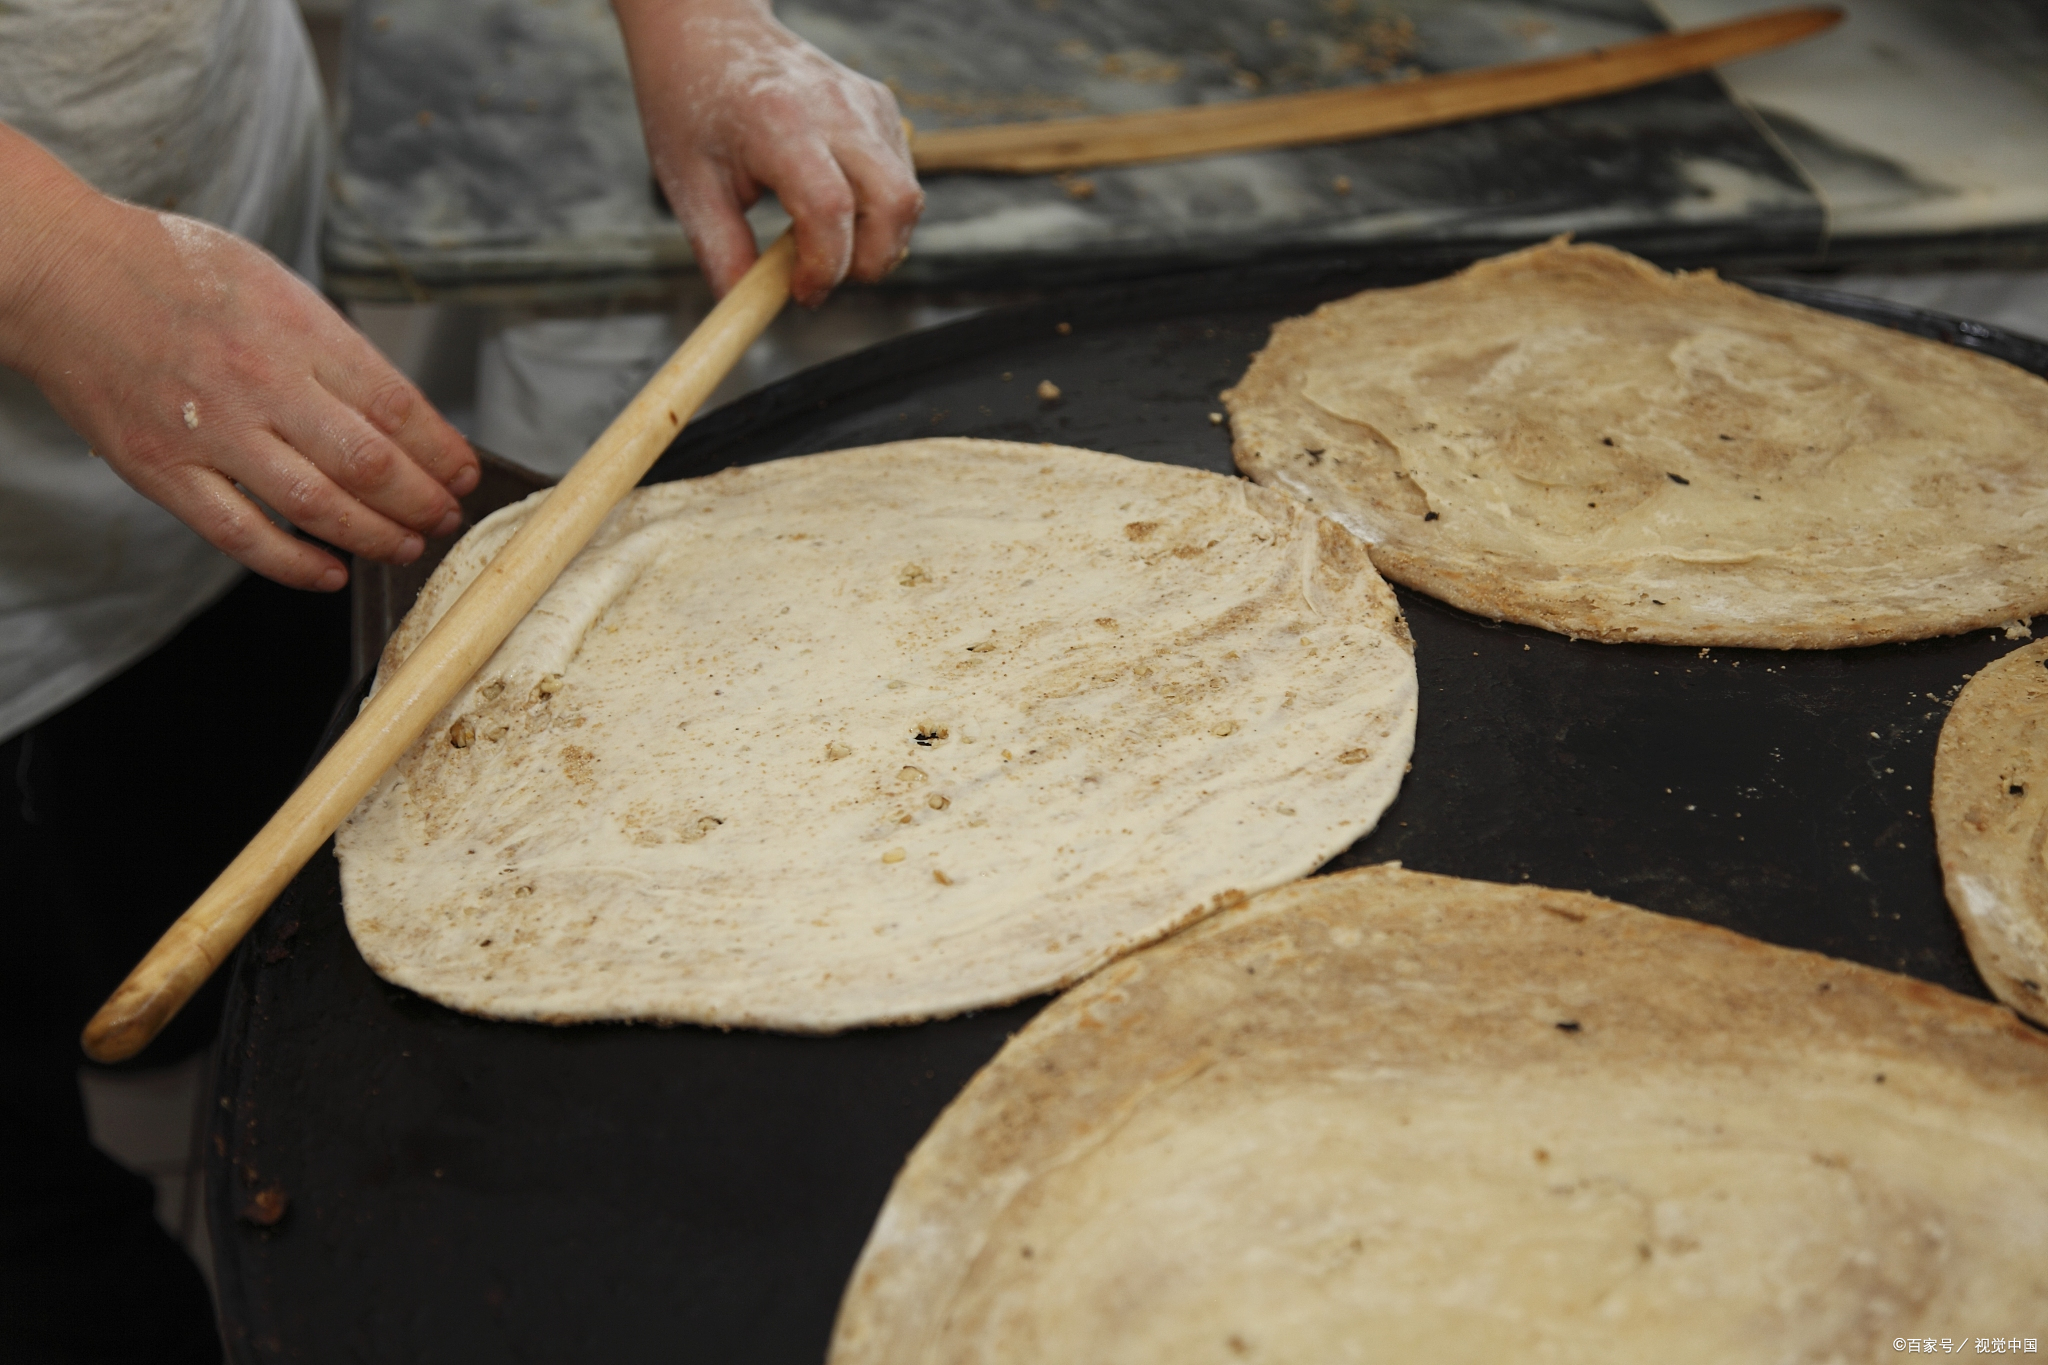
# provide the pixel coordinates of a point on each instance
(894, 855)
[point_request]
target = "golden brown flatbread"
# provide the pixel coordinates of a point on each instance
(1383, 1116)
(1991, 824)
(881, 735)
(1570, 438)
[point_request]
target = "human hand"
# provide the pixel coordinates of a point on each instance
(192, 362)
(734, 103)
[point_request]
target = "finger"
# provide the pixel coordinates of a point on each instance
(293, 487)
(367, 464)
(807, 178)
(209, 503)
(364, 381)
(888, 205)
(709, 207)
(877, 161)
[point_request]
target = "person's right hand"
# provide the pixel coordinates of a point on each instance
(193, 362)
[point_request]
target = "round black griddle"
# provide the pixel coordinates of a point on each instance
(458, 1190)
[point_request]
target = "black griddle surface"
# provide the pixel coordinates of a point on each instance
(462, 1190)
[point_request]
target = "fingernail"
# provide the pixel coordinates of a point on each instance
(450, 524)
(334, 579)
(466, 478)
(410, 548)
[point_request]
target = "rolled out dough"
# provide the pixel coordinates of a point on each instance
(879, 736)
(1990, 810)
(1571, 438)
(1382, 1116)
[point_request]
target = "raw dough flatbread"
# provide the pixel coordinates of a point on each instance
(1382, 1116)
(879, 736)
(1570, 438)
(1991, 824)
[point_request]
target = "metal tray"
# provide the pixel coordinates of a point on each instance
(461, 1190)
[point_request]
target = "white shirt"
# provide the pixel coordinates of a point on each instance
(208, 107)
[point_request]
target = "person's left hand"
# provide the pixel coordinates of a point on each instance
(734, 103)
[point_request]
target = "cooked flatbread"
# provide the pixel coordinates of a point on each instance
(1570, 438)
(880, 736)
(1382, 1116)
(1991, 824)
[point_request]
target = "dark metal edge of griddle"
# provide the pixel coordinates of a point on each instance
(736, 434)
(1753, 246)
(722, 437)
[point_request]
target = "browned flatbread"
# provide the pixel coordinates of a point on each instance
(1991, 824)
(1570, 438)
(1390, 1116)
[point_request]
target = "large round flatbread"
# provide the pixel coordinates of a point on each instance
(1383, 1116)
(1990, 812)
(879, 736)
(1570, 438)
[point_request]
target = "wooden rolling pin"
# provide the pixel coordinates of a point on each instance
(1363, 111)
(443, 664)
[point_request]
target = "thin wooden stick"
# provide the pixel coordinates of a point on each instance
(445, 661)
(1341, 115)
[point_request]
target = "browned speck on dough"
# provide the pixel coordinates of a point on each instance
(576, 765)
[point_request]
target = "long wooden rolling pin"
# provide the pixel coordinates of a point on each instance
(1340, 115)
(430, 678)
